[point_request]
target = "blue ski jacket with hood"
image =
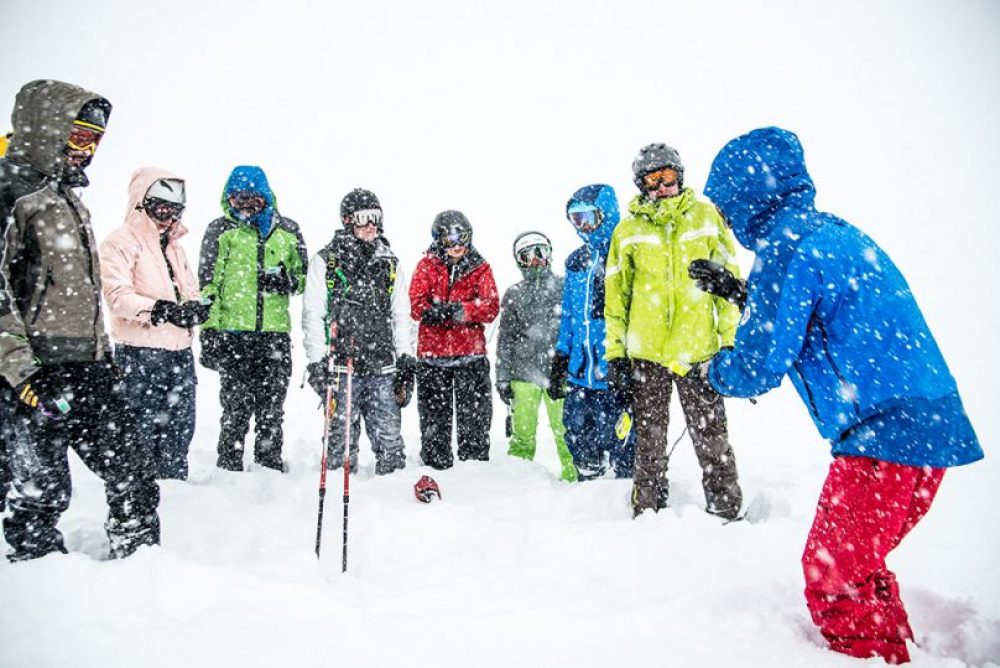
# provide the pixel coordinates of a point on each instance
(828, 307)
(581, 328)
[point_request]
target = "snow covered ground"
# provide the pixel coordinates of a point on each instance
(502, 109)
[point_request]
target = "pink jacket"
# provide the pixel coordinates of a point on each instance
(134, 273)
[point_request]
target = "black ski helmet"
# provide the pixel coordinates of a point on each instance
(358, 199)
(451, 223)
(653, 157)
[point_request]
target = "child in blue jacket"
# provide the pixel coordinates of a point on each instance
(591, 410)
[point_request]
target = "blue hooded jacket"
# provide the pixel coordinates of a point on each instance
(828, 307)
(249, 178)
(581, 328)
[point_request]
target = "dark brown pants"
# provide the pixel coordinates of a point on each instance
(706, 420)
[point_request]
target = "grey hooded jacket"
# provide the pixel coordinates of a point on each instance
(529, 326)
(50, 292)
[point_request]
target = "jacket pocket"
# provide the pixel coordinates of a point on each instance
(41, 296)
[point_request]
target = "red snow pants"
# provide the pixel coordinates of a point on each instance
(865, 509)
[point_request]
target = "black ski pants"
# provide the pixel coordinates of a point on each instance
(255, 369)
(100, 428)
(706, 421)
(7, 437)
(160, 390)
(465, 391)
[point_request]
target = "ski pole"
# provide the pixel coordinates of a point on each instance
(347, 454)
(328, 408)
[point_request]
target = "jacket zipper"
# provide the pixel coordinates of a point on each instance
(85, 239)
(836, 371)
(261, 241)
(591, 375)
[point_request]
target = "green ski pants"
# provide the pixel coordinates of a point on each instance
(524, 416)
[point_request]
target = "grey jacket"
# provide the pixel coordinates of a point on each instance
(50, 292)
(529, 326)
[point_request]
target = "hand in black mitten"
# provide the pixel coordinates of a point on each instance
(278, 282)
(42, 391)
(715, 279)
(505, 392)
(439, 313)
(557, 377)
(162, 312)
(317, 376)
(620, 376)
(189, 314)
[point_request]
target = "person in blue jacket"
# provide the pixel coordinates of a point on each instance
(591, 411)
(826, 306)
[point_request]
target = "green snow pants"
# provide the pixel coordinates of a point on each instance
(524, 416)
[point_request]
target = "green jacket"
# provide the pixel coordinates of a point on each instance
(232, 256)
(653, 309)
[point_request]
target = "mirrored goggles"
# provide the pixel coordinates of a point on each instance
(666, 176)
(366, 217)
(455, 237)
(538, 255)
(248, 202)
(162, 210)
(586, 220)
(84, 138)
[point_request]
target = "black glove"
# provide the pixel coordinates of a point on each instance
(620, 376)
(317, 376)
(186, 315)
(162, 312)
(557, 377)
(277, 282)
(505, 392)
(213, 349)
(402, 383)
(43, 391)
(715, 279)
(441, 312)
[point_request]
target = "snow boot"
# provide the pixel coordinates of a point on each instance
(649, 497)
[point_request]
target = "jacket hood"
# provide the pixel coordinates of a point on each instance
(250, 178)
(135, 216)
(756, 174)
(44, 112)
(603, 197)
(662, 209)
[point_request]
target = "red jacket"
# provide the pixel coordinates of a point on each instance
(473, 286)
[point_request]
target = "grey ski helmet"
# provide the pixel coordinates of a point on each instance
(653, 157)
(451, 227)
(358, 199)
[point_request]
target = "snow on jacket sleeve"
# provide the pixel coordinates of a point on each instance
(118, 259)
(403, 331)
(772, 338)
(314, 306)
(16, 356)
(506, 337)
(564, 343)
(210, 269)
(299, 261)
(420, 288)
(618, 280)
(486, 305)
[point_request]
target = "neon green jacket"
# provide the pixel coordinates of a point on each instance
(653, 309)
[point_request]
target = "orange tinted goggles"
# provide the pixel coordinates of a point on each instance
(665, 176)
(84, 139)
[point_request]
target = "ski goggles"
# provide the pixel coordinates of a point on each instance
(162, 210)
(366, 217)
(247, 202)
(586, 220)
(534, 256)
(454, 237)
(666, 177)
(84, 137)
